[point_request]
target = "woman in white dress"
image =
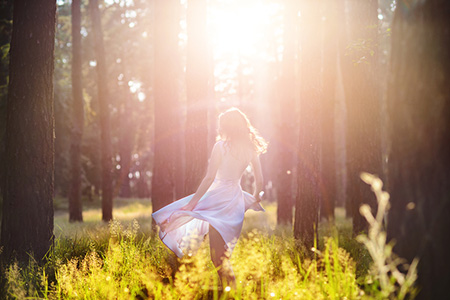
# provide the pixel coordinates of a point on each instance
(219, 204)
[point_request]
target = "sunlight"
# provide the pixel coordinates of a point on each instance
(240, 28)
(243, 36)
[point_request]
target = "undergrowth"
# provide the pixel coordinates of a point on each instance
(126, 262)
(128, 267)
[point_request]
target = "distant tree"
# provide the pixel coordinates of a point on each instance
(63, 99)
(27, 223)
(308, 168)
(196, 137)
(75, 205)
(328, 156)
(418, 98)
(285, 136)
(126, 137)
(166, 101)
(103, 100)
(359, 56)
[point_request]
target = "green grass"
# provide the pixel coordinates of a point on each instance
(125, 260)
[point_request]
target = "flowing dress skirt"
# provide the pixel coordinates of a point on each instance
(223, 207)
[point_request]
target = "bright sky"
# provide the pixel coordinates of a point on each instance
(241, 27)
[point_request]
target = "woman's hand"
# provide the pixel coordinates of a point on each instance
(190, 206)
(163, 225)
(257, 197)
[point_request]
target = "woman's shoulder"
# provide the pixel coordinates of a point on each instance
(219, 146)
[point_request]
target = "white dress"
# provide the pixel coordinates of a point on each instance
(222, 206)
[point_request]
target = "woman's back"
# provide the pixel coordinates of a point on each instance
(233, 163)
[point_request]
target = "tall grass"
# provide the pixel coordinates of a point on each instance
(125, 260)
(267, 267)
(384, 278)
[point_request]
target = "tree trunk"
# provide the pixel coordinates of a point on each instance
(141, 186)
(308, 193)
(328, 158)
(418, 98)
(285, 138)
(166, 102)
(103, 100)
(126, 139)
(359, 61)
(27, 223)
(75, 205)
(197, 96)
(125, 152)
(5, 38)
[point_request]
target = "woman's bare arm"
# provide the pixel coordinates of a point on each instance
(214, 162)
(256, 166)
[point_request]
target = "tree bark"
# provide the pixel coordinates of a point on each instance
(418, 98)
(5, 38)
(166, 102)
(75, 205)
(285, 138)
(27, 223)
(328, 157)
(308, 193)
(359, 61)
(103, 100)
(196, 137)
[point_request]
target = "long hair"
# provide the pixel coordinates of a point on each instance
(238, 133)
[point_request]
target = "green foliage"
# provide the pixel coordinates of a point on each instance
(25, 283)
(131, 267)
(123, 260)
(126, 27)
(341, 230)
(385, 280)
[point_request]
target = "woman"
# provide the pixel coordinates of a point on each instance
(219, 204)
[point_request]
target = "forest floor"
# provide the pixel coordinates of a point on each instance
(125, 260)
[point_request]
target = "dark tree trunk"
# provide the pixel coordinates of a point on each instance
(285, 138)
(103, 100)
(360, 65)
(197, 95)
(166, 102)
(5, 38)
(418, 98)
(308, 193)
(328, 170)
(75, 205)
(27, 223)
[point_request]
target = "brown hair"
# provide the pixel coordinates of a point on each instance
(237, 131)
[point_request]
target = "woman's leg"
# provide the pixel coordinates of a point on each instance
(219, 256)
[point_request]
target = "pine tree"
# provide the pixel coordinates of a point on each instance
(75, 205)
(27, 223)
(418, 98)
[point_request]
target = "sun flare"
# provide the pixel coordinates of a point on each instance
(237, 28)
(242, 35)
